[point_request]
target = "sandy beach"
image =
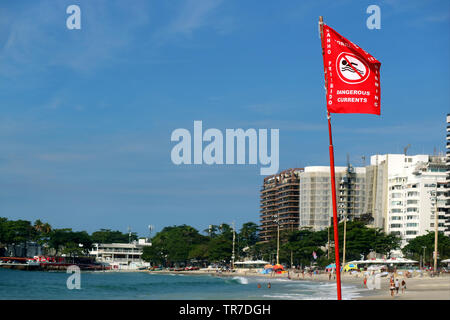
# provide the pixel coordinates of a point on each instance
(418, 287)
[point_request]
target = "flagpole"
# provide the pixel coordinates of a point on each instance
(333, 185)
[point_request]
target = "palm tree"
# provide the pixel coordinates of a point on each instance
(38, 225)
(46, 228)
(42, 231)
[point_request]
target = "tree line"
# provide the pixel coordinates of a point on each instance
(56, 241)
(183, 244)
(180, 245)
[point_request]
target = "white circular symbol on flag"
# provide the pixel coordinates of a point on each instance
(351, 68)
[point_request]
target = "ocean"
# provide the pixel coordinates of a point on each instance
(16, 284)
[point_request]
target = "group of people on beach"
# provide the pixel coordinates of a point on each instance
(395, 285)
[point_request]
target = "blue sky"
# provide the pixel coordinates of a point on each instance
(86, 115)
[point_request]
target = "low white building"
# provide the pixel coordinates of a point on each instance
(121, 256)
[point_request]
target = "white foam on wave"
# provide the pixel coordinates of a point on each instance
(314, 291)
(241, 280)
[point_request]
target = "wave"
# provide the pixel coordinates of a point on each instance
(239, 280)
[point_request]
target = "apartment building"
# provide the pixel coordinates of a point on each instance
(447, 183)
(315, 200)
(279, 203)
(398, 193)
(413, 185)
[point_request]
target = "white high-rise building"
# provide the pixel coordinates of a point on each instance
(447, 204)
(315, 201)
(409, 205)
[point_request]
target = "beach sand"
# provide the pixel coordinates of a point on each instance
(418, 288)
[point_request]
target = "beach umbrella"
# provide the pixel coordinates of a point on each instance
(331, 266)
(268, 266)
(350, 266)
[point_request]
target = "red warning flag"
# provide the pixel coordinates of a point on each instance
(353, 76)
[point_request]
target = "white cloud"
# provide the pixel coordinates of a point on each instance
(36, 38)
(193, 15)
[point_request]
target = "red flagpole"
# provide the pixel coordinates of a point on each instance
(333, 187)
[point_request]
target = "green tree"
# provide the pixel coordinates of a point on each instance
(43, 231)
(3, 230)
(108, 236)
(303, 243)
(220, 249)
(264, 250)
(199, 252)
(248, 235)
(212, 231)
(17, 232)
(415, 247)
(70, 242)
(361, 240)
(172, 245)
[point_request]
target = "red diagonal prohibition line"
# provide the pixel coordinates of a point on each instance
(352, 66)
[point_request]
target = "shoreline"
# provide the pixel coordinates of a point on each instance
(417, 288)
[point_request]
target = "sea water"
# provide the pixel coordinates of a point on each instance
(15, 284)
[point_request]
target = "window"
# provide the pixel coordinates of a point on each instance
(412, 225)
(396, 218)
(411, 232)
(396, 225)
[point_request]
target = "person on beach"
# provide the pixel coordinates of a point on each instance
(403, 286)
(397, 285)
(269, 285)
(392, 286)
(329, 276)
(303, 274)
(365, 282)
(259, 286)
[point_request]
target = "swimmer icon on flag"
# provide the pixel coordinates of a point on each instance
(352, 76)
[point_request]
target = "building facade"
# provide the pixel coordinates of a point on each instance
(315, 200)
(447, 184)
(120, 255)
(398, 193)
(279, 203)
(414, 184)
(376, 193)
